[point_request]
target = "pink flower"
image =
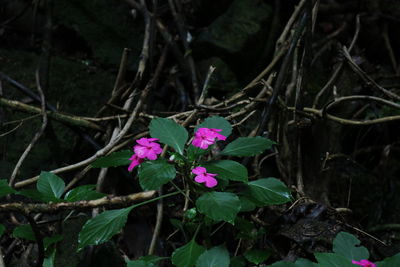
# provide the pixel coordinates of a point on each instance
(147, 149)
(135, 162)
(364, 263)
(203, 177)
(205, 137)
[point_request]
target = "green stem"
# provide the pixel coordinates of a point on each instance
(153, 199)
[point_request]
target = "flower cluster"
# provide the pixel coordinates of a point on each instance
(364, 263)
(205, 137)
(202, 176)
(146, 148)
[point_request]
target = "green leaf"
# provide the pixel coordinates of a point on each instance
(269, 191)
(228, 170)
(2, 229)
(152, 258)
(332, 260)
(47, 241)
(50, 185)
(216, 122)
(247, 146)
(169, 132)
(283, 264)
(305, 263)
(139, 263)
(49, 261)
(5, 189)
(257, 256)
(238, 261)
(187, 255)
(393, 261)
(34, 194)
(24, 231)
(119, 158)
(247, 204)
(84, 192)
(155, 173)
(219, 206)
(214, 257)
(346, 245)
(102, 227)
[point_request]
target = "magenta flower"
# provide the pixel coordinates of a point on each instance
(146, 148)
(364, 263)
(135, 162)
(202, 176)
(205, 137)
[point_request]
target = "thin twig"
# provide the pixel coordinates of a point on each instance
(37, 135)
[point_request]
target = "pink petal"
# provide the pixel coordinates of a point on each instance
(199, 170)
(151, 155)
(143, 141)
(211, 182)
(152, 139)
(200, 179)
(135, 162)
(140, 151)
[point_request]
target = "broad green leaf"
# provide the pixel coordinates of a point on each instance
(49, 261)
(34, 194)
(155, 173)
(47, 241)
(119, 158)
(214, 257)
(283, 264)
(169, 132)
(257, 256)
(247, 204)
(305, 263)
(187, 255)
(102, 227)
(216, 122)
(238, 261)
(269, 191)
(247, 146)
(2, 229)
(332, 260)
(84, 192)
(24, 231)
(5, 189)
(228, 170)
(50, 185)
(393, 261)
(347, 245)
(139, 263)
(219, 206)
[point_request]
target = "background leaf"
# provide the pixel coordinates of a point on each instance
(257, 256)
(102, 227)
(139, 263)
(346, 245)
(269, 191)
(219, 206)
(36, 195)
(228, 170)
(305, 263)
(5, 189)
(47, 241)
(119, 158)
(393, 261)
(50, 185)
(155, 173)
(169, 132)
(2, 229)
(216, 122)
(187, 255)
(214, 257)
(247, 146)
(24, 231)
(84, 192)
(332, 260)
